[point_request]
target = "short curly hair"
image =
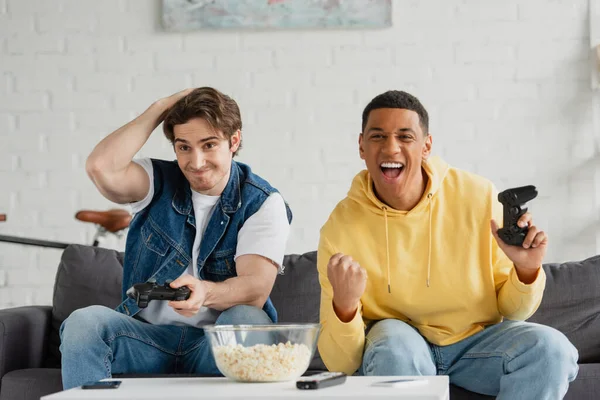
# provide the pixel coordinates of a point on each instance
(397, 99)
(219, 110)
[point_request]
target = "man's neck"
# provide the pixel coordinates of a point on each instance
(410, 200)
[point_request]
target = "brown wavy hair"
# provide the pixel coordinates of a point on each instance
(219, 110)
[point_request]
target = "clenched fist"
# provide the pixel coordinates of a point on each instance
(348, 280)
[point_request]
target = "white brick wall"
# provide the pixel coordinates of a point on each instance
(506, 83)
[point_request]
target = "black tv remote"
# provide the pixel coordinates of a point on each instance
(320, 381)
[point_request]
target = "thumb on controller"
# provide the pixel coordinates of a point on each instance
(186, 280)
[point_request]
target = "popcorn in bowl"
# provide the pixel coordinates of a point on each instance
(263, 353)
(261, 362)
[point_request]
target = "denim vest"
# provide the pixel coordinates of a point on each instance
(160, 239)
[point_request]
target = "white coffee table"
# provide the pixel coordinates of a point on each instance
(355, 387)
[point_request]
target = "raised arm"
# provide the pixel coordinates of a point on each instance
(111, 166)
(342, 338)
(519, 292)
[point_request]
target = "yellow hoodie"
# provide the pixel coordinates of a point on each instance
(436, 267)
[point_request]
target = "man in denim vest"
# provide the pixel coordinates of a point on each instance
(203, 221)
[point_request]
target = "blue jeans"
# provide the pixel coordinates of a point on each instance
(97, 341)
(511, 360)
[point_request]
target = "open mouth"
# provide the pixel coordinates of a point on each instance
(391, 170)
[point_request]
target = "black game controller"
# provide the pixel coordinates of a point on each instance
(142, 293)
(513, 201)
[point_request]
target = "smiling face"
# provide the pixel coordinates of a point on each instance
(394, 146)
(204, 155)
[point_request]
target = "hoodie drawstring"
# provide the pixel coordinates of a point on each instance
(429, 247)
(387, 244)
(387, 248)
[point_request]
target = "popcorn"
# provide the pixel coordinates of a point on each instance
(262, 363)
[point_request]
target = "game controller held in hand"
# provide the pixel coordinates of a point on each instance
(142, 293)
(514, 201)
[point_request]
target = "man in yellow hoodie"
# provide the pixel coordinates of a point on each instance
(415, 280)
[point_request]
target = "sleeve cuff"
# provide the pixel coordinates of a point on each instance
(534, 286)
(346, 328)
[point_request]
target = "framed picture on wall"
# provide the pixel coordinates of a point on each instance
(187, 15)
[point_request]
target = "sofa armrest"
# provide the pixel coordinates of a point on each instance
(23, 333)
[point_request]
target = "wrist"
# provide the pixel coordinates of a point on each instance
(161, 105)
(527, 275)
(345, 311)
(158, 111)
(207, 287)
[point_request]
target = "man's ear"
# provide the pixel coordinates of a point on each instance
(361, 151)
(427, 147)
(235, 140)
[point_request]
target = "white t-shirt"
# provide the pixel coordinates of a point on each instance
(265, 233)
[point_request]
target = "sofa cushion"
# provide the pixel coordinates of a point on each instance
(458, 393)
(86, 276)
(571, 304)
(297, 294)
(587, 384)
(585, 387)
(32, 383)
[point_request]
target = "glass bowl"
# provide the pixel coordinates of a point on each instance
(263, 353)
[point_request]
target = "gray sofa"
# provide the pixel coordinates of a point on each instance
(30, 359)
